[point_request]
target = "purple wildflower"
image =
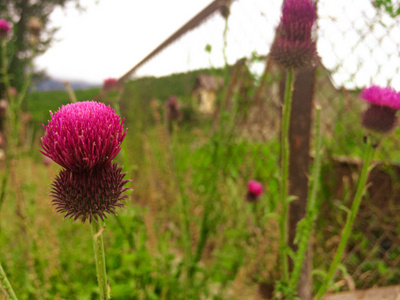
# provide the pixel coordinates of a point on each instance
(174, 111)
(46, 160)
(381, 115)
(376, 95)
(111, 84)
(89, 194)
(83, 135)
(5, 28)
(83, 138)
(294, 46)
(254, 190)
(298, 17)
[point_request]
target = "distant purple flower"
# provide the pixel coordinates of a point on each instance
(83, 135)
(254, 190)
(381, 115)
(46, 160)
(111, 84)
(89, 194)
(294, 47)
(174, 111)
(5, 28)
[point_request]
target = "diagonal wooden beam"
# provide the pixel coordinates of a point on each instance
(191, 24)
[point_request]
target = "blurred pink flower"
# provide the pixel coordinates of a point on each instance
(254, 190)
(46, 160)
(294, 47)
(111, 84)
(5, 28)
(174, 111)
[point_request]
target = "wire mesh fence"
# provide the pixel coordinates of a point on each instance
(358, 44)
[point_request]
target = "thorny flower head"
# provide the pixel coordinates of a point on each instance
(5, 28)
(83, 135)
(254, 190)
(89, 194)
(294, 46)
(381, 115)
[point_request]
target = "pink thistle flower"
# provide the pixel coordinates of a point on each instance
(381, 96)
(83, 136)
(294, 47)
(381, 115)
(111, 84)
(89, 194)
(298, 17)
(5, 28)
(254, 190)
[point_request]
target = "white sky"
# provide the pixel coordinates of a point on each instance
(112, 36)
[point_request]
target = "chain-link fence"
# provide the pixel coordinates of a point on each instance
(358, 45)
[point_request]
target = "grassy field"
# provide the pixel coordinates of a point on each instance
(187, 231)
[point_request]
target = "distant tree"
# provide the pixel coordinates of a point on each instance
(31, 35)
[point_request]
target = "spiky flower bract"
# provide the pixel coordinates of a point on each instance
(5, 28)
(83, 135)
(89, 194)
(294, 47)
(381, 115)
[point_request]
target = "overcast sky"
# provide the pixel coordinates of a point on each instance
(111, 36)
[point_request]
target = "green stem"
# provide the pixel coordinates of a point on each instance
(6, 286)
(312, 212)
(99, 258)
(368, 154)
(285, 176)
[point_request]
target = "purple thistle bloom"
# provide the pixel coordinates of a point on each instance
(298, 17)
(254, 190)
(174, 111)
(111, 84)
(381, 96)
(381, 115)
(83, 136)
(89, 194)
(5, 28)
(294, 47)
